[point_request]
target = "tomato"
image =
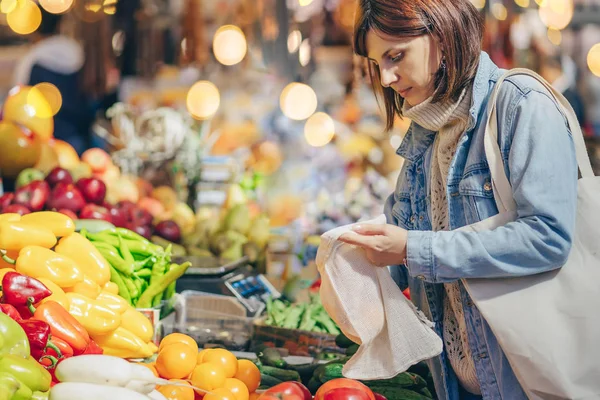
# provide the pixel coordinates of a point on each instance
(178, 338)
(279, 396)
(219, 394)
(291, 388)
(248, 373)
(172, 392)
(224, 358)
(346, 393)
(201, 355)
(176, 361)
(342, 383)
(18, 149)
(379, 396)
(208, 376)
(238, 388)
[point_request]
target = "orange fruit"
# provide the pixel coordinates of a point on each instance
(248, 373)
(151, 367)
(176, 361)
(220, 394)
(201, 355)
(238, 388)
(178, 338)
(224, 358)
(208, 376)
(172, 392)
(254, 396)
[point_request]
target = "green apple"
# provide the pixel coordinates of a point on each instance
(29, 175)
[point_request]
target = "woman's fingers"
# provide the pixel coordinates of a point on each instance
(357, 240)
(370, 229)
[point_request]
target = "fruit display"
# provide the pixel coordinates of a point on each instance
(53, 274)
(142, 271)
(304, 316)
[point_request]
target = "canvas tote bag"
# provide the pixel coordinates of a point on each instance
(548, 324)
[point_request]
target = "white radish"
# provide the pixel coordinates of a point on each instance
(143, 380)
(156, 395)
(90, 391)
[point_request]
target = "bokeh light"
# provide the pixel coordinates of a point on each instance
(304, 53)
(56, 6)
(298, 101)
(52, 96)
(203, 100)
(499, 11)
(319, 130)
(556, 14)
(25, 18)
(304, 3)
(593, 59)
(294, 41)
(7, 6)
(479, 4)
(554, 36)
(229, 45)
(522, 3)
(110, 7)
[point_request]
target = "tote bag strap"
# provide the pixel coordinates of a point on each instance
(500, 182)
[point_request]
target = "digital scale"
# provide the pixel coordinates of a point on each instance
(236, 279)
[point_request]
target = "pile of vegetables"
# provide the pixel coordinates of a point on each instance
(142, 271)
(304, 316)
(67, 284)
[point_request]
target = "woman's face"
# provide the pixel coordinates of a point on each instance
(407, 65)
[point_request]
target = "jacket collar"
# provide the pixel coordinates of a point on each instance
(418, 139)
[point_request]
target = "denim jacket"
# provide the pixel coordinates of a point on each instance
(539, 160)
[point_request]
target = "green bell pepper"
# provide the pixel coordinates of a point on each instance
(9, 381)
(26, 370)
(40, 395)
(12, 337)
(9, 386)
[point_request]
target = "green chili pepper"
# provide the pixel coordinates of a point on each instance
(103, 237)
(114, 258)
(170, 291)
(116, 279)
(138, 265)
(127, 234)
(13, 339)
(124, 251)
(159, 286)
(26, 370)
(133, 290)
(143, 273)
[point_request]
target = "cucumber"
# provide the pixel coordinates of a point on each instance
(392, 393)
(342, 341)
(404, 380)
(283, 375)
(272, 357)
(425, 392)
(330, 372)
(306, 371)
(268, 381)
(350, 351)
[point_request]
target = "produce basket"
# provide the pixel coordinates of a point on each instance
(296, 341)
(213, 320)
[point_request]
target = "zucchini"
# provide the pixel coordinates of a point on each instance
(350, 351)
(283, 375)
(404, 380)
(331, 371)
(272, 357)
(342, 341)
(394, 393)
(268, 381)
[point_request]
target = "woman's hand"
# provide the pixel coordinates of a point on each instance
(384, 244)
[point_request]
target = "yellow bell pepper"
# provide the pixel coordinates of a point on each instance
(85, 254)
(60, 224)
(153, 347)
(11, 217)
(122, 343)
(111, 287)
(38, 262)
(87, 288)
(14, 235)
(138, 324)
(58, 295)
(95, 317)
(113, 301)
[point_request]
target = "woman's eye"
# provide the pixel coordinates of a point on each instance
(397, 58)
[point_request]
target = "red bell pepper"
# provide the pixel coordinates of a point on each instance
(93, 348)
(38, 334)
(11, 312)
(65, 349)
(20, 291)
(62, 325)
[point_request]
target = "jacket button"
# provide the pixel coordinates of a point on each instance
(421, 277)
(413, 218)
(483, 355)
(487, 187)
(470, 303)
(421, 218)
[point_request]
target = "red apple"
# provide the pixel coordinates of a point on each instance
(97, 159)
(140, 217)
(118, 216)
(66, 196)
(93, 211)
(6, 200)
(144, 230)
(58, 175)
(33, 195)
(92, 189)
(68, 213)
(127, 207)
(168, 230)
(16, 208)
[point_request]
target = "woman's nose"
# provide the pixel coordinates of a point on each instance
(388, 76)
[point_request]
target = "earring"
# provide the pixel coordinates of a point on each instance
(443, 64)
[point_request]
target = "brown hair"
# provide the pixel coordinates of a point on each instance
(456, 24)
(96, 40)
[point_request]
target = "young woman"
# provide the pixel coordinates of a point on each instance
(426, 62)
